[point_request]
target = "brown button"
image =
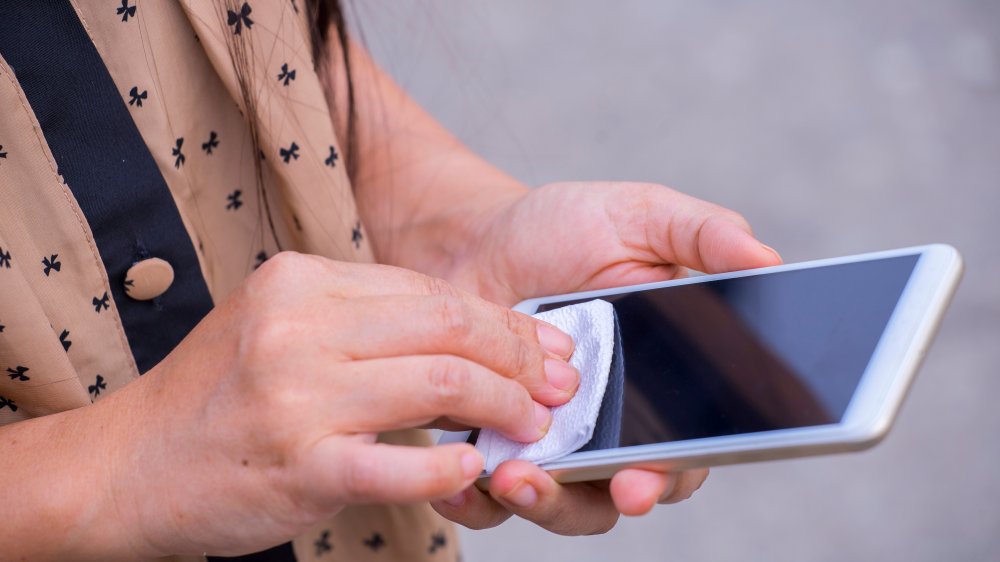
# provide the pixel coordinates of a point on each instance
(148, 279)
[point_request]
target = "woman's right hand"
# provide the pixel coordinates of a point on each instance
(263, 420)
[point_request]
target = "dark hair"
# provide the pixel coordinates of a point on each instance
(324, 16)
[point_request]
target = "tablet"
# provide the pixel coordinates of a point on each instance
(786, 361)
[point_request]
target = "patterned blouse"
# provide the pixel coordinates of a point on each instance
(129, 204)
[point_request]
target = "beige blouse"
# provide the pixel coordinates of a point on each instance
(172, 66)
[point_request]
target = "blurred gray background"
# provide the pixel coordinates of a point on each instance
(836, 128)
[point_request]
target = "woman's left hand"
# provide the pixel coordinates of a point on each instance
(570, 237)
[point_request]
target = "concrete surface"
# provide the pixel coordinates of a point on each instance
(836, 128)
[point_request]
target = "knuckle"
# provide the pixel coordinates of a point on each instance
(281, 262)
(644, 192)
(485, 518)
(264, 337)
(527, 359)
(558, 518)
(261, 353)
(448, 379)
(524, 357)
(386, 273)
(564, 518)
(276, 405)
(453, 317)
(479, 523)
(737, 218)
(510, 320)
(284, 266)
(604, 525)
(517, 322)
(439, 287)
(651, 187)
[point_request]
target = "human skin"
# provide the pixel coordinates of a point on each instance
(262, 422)
(230, 445)
(432, 205)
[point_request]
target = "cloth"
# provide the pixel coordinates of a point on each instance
(608, 430)
(110, 172)
(592, 326)
(172, 71)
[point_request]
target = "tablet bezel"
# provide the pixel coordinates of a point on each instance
(872, 408)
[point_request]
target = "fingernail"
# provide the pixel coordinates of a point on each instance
(523, 495)
(772, 250)
(561, 374)
(472, 464)
(543, 417)
(555, 341)
(457, 500)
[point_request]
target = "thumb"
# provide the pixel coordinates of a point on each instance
(350, 473)
(726, 245)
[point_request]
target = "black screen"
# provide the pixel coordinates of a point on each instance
(757, 353)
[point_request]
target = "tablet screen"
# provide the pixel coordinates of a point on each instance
(757, 353)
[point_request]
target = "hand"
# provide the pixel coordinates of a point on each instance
(263, 420)
(571, 237)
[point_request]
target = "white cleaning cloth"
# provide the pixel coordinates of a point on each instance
(592, 326)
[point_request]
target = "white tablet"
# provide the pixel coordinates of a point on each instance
(785, 361)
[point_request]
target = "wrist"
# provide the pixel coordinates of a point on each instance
(469, 236)
(128, 479)
(119, 479)
(63, 506)
(449, 244)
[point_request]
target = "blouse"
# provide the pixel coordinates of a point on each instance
(130, 203)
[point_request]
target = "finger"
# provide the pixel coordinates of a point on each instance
(636, 491)
(571, 509)
(499, 339)
(719, 244)
(636, 273)
(684, 230)
(346, 472)
(379, 280)
(473, 509)
(688, 482)
(404, 392)
(354, 280)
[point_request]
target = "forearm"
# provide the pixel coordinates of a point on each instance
(419, 189)
(58, 495)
